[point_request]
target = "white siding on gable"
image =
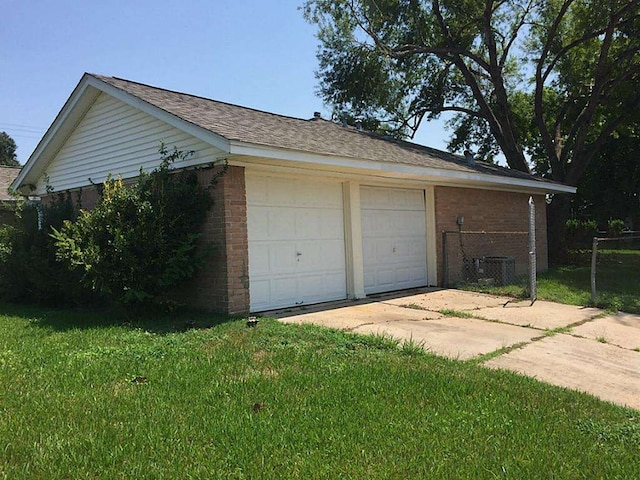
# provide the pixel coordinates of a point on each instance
(116, 138)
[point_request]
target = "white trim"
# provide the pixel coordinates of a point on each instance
(390, 177)
(432, 251)
(353, 240)
(57, 134)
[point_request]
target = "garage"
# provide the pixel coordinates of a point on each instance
(394, 244)
(296, 241)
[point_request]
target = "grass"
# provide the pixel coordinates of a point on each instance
(617, 281)
(84, 396)
(447, 312)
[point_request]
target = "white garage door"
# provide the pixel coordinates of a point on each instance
(296, 242)
(394, 240)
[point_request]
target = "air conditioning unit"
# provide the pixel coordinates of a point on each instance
(501, 269)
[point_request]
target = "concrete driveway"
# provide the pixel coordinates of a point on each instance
(575, 347)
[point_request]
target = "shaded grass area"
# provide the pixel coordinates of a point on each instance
(617, 281)
(84, 396)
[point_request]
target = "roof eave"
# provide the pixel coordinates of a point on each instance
(431, 174)
(54, 138)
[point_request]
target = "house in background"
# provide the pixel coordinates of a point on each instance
(7, 202)
(308, 210)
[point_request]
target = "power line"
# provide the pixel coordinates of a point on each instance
(15, 125)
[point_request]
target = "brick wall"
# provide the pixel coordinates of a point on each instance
(487, 210)
(223, 283)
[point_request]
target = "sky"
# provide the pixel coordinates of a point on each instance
(259, 54)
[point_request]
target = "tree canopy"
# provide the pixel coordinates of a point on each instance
(546, 80)
(8, 151)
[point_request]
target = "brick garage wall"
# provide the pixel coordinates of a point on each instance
(488, 210)
(85, 197)
(222, 285)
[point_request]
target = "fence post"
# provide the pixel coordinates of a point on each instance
(594, 257)
(533, 267)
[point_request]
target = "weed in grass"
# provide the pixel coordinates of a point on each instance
(612, 435)
(455, 313)
(378, 341)
(498, 352)
(412, 348)
(413, 306)
(550, 332)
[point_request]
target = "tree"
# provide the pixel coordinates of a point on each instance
(611, 186)
(8, 151)
(552, 79)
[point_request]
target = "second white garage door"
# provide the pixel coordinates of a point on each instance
(296, 242)
(393, 239)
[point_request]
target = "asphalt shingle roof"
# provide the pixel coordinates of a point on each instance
(314, 135)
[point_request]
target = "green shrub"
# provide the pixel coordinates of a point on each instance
(580, 233)
(29, 272)
(140, 240)
(615, 227)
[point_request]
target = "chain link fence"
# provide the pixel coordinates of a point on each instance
(485, 259)
(615, 268)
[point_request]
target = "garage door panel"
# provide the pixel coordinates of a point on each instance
(283, 290)
(261, 259)
(262, 290)
(258, 218)
(298, 226)
(282, 257)
(281, 223)
(394, 238)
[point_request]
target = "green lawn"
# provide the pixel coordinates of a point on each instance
(617, 281)
(83, 396)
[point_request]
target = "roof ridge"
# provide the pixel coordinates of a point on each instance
(290, 117)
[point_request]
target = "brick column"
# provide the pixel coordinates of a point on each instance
(223, 282)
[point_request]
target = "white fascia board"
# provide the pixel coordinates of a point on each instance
(74, 109)
(56, 135)
(439, 176)
(207, 136)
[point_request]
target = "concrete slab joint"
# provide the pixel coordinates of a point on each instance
(566, 345)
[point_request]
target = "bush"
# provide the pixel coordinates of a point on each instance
(29, 272)
(615, 227)
(580, 233)
(140, 240)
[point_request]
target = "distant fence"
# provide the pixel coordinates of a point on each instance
(485, 259)
(615, 262)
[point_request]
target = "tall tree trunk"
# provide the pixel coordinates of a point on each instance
(557, 215)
